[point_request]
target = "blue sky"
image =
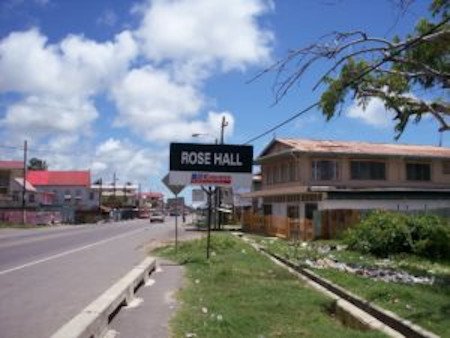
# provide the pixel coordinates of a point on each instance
(106, 84)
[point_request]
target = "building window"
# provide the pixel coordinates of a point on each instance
(273, 173)
(418, 171)
(267, 209)
(4, 182)
(293, 172)
(446, 167)
(15, 196)
(285, 172)
(325, 170)
(91, 195)
(367, 170)
(279, 174)
(31, 198)
(267, 173)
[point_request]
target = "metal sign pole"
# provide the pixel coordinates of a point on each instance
(176, 222)
(208, 239)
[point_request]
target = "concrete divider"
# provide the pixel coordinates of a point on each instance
(93, 321)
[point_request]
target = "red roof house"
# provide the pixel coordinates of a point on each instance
(59, 178)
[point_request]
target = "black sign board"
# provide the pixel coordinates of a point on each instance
(224, 158)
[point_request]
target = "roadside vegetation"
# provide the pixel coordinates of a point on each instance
(398, 262)
(18, 226)
(385, 233)
(240, 293)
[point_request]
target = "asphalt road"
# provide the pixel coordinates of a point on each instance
(47, 276)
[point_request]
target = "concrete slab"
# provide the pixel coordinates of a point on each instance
(150, 318)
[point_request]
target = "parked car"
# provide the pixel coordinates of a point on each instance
(157, 216)
(143, 214)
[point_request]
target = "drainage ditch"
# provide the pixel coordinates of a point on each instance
(401, 326)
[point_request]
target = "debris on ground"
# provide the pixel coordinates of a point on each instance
(376, 273)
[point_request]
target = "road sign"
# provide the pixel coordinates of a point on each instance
(175, 189)
(198, 195)
(210, 164)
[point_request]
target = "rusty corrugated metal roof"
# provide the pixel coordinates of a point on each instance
(366, 148)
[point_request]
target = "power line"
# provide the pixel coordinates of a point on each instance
(48, 150)
(281, 124)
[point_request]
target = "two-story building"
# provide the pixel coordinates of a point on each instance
(71, 193)
(331, 183)
(20, 200)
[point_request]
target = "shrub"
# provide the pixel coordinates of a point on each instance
(430, 236)
(384, 233)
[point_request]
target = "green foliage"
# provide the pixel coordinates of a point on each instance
(37, 164)
(251, 295)
(394, 70)
(386, 233)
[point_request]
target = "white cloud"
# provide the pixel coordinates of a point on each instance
(75, 66)
(183, 130)
(159, 109)
(44, 116)
(374, 114)
(147, 99)
(130, 162)
(58, 81)
(198, 34)
(154, 76)
(107, 18)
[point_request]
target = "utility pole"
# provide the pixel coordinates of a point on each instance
(24, 187)
(218, 197)
(114, 186)
(139, 197)
(222, 128)
(100, 192)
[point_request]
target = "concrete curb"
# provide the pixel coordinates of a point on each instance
(93, 321)
(366, 313)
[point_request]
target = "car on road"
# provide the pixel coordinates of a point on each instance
(157, 216)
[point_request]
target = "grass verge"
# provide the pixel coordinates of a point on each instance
(426, 305)
(240, 293)
(18, 226)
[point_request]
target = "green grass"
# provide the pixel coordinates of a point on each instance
(426, 305)
(17, 226)
(246, 295)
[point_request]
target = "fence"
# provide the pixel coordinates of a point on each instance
(31, 217)
(279, 226)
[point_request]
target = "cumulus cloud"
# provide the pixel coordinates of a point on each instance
(132, 163)
(148, 96)
(199, 34)
(153, 76)
(47, 116)
(183, 130)
(374, 114)
(75, 66)
(58, 82)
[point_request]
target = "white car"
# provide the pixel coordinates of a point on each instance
(156, 216)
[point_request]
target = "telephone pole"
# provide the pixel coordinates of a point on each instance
(218, 197)
(114, 185)
(222, 128)
(24, 187)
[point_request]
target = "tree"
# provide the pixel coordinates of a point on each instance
(98, 181)
(411, 75)
(37, 164)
